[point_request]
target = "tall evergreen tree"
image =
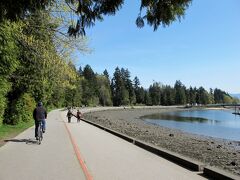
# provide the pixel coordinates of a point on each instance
(128, 84)
(89, 87)
(180, 89)
(155, 93)
(202, 95)
(139, 91)
(119, 90)
(192, 96)
(80, 71)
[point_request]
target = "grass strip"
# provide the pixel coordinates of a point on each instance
(10, 131)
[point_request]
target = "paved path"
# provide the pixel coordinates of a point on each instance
(23, 159)
(105, 156)
(108, 157)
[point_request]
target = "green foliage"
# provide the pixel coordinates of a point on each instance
(155, 92)
(22, 109)
(89, 87)
(180, 97)
(14, 10)
(43, 73)
(8, 61)
(147, 99)
(168, 96)
(8, 48)
(154, 12)
(4, 88)
(104, 90)
(160, 12)
(139, 91)
(119, 90)
(221, 97)
(202, 96)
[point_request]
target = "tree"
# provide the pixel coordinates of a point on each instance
(202, 96)
(168, 96)
(104, 90)
(139, 91)
(9, 62)
(180, 97)
(128, 84)
(119, 90)
(147, 98)
(90, 94)
(88, 73)
(80, 71)
(140, 98)
(33, 65)
(227, 99)
(105, 73)
(155, 93)
(192, 95)
(136, 83)
(154, 12)
(219, 96)
(211, 96)
(14, 10)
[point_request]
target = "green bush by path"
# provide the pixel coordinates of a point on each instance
(8, 61)
(22, 109)
(5, 86)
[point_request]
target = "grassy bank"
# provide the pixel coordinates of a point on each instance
(10, 131)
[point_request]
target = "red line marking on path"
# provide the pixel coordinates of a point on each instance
(78, 154)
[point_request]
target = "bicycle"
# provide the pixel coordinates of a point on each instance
(40, 133)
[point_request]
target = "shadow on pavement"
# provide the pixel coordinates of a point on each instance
(27, 141)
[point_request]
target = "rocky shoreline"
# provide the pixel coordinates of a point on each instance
(224, 154)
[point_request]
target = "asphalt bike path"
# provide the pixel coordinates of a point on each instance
(108, 157)
(22, 158)
(74, 150)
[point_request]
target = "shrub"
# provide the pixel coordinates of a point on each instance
(23, 109)
(5, 86)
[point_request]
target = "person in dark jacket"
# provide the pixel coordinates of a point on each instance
(40, 116)
(79, 116)
(69, 115)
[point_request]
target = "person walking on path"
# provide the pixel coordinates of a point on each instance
(69, 115)
(39, 116)
(79, 116)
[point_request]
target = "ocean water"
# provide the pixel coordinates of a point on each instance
(214, 123)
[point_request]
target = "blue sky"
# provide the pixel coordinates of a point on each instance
(201, 50)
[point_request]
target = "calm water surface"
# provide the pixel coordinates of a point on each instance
(214, 123)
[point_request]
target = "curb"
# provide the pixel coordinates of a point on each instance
(218, 174)
(185, 162)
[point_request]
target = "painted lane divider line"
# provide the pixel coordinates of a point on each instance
(78, 154)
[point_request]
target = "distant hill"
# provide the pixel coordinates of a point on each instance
(235, 95)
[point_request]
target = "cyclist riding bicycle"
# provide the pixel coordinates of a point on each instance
(39, 115)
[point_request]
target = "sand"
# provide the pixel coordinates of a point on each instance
(224, 154)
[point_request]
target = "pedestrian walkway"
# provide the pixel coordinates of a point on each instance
(21, 158)
(108, 157)
(104, 156)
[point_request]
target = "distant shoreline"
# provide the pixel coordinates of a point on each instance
(221, 153)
